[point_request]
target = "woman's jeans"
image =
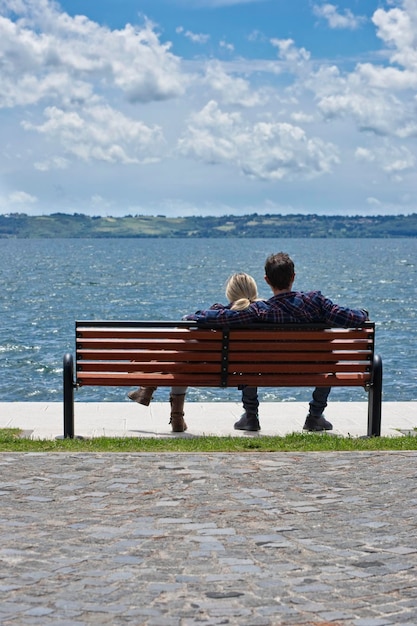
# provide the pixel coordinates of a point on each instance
(317, 403)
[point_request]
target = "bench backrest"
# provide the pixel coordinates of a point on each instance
(125, 353)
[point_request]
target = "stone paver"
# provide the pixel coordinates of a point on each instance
(206, 539)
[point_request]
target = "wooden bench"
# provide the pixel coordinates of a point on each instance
(153, 353)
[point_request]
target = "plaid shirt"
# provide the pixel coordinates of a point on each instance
(294, 307)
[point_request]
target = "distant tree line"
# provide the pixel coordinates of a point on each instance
(78, 225)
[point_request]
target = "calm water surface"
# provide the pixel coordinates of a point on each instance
(48, 284)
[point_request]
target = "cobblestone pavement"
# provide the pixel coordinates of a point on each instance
(255, 539)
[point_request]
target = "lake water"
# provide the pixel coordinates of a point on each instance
(47, 284)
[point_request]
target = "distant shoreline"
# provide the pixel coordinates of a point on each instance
(78, 225)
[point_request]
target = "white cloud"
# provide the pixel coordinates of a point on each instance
(373, 201)
(263, 150)
(392, 160)
(199, 38)
(50, 54)
(364, 154)
(386, 78)
(21, 197)
(376, 96)
(300, 117)
(335, 19)
(226, 46)
(75, 92)
(231, 89)
(54, 163)
(256, 35)
(17, 201)
(99, 203)
(370, 111)
(399, 160)
(294, 57)
(100, 133)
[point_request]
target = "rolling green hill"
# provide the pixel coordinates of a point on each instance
(20, 225)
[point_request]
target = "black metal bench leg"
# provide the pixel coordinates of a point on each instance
(375, 399)
(68, 372)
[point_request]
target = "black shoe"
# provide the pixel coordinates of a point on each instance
(316, 424)
(248, 422)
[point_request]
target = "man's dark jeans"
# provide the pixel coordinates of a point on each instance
(317, 403)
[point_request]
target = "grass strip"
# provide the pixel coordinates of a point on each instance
(12, 441)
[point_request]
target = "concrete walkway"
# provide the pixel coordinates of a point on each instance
(43, 420)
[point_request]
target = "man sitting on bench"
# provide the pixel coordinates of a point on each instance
(284, 307)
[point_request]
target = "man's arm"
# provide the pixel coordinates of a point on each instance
(225, 316)
(342, 317)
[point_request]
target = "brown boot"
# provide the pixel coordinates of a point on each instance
(177, 422)
(143, 395)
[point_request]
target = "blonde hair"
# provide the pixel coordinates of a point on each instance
(241, 291)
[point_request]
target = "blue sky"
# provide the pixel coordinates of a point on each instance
(208, 107)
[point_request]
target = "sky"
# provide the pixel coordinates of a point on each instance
(208, 107)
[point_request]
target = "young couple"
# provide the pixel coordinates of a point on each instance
(284, 307)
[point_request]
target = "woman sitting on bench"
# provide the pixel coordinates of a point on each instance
(241, 290)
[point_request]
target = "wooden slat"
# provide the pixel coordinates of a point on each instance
(311, 357)
(143, 333)
(300, 346)
(134, 356)
(300, 335)
(163, 367)
(269, 368)
(301, 380)
(206, 380)
(155, 344)
(131, 380)
(283, 368)
(247, 347)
